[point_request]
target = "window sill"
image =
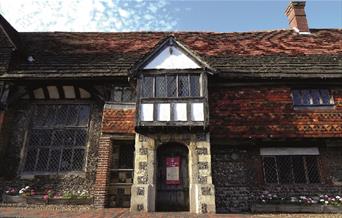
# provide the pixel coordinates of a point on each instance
(313, 108)
(32, 175)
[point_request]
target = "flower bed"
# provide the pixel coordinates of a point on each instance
(271, 203)
(28, 195)
(39, 199)
(293, 208)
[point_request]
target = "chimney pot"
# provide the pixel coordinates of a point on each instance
(295, 13)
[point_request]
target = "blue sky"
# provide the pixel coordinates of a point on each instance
(163, 15)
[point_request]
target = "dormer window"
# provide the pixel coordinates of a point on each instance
(172, 88)
(172, 97)
(168, 86)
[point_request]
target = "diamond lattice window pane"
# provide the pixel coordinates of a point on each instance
(127, 95)
(171, 86)
(69, 137)
(183, 86)
(78, 159)
(147, 87)
(316, 97)
(298, 169)
(270, 170)
(60, 130)
(80, 137)
(30, 159)
(306, 97)
(83, 116)
(161, 88)
(71, 116)
(284, 169)
(195, 87)
(312, 168)
(40, 116)
(117, 95)
(61, 115)
(54, 160)
(51, 115)
(66, 160)
(297, 97)
(325, 96)
(43, 158)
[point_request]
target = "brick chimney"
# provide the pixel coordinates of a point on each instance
(295, 12)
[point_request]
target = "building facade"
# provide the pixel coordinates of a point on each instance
(164, 121)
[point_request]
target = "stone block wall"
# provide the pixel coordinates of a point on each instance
(201, 189)
(238, 177)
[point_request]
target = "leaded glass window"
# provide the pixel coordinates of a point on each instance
(312, 97)
(289, 169)
(122, 94)
(58, 137)
(171, 86)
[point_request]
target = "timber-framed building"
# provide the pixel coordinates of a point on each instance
(193, 121)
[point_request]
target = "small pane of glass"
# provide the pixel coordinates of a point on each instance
(30, 159)
(147, 87)
(43, 158)
(312, 168)
(298, 169)
(195, 87)
(66, 160)
(54, 160)
(71, 117)
(325, 96)
(127, 95)
(83, 116)
(270, 168)
(284, 169)
(306, 97)
(80, 137)
(117, 95)
(183, 86)
(297, 98)
(78, 159)
(315, 97)
(61, 115)
(171, 86)
(161, 86)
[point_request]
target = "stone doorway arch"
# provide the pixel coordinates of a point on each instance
(172, 187)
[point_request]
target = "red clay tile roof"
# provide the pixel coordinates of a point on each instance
(278, 53)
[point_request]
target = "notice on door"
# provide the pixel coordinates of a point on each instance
(172, 170)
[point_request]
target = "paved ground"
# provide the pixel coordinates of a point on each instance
(79, 212)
